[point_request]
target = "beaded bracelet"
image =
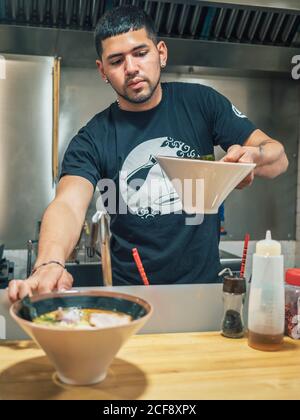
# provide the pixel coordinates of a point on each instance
(47, 263)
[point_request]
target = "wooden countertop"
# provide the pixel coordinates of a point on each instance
(162, 366)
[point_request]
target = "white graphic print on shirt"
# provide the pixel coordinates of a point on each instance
(144, 186)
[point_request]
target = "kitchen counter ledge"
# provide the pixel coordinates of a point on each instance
(162, 366)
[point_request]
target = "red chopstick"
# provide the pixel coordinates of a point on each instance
(244, 258)
(140, 267)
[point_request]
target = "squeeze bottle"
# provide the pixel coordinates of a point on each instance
(266, 301)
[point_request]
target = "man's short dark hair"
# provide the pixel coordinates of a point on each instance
(121, 20)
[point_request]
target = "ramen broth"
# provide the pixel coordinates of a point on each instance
(83, 318)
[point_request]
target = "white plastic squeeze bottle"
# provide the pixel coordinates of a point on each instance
(266, 302)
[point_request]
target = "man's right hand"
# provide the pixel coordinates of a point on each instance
(45, 280)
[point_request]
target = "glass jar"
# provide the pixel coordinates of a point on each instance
(292, 303)
(234, 291)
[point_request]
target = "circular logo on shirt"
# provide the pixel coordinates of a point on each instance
(144, 186)
(238, 113)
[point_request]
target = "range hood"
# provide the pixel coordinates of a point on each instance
(236, 34)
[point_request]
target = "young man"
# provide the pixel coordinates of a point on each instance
(148, 119)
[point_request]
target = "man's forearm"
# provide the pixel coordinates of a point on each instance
(268, 154)
(272, 159)
(59, 234)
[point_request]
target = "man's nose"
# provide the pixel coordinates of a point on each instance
(131, 66)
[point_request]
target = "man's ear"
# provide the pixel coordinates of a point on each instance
(163, 53)
(101, 69)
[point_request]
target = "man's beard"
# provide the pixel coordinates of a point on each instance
(142, 99)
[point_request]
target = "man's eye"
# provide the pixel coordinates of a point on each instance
(142, 53)
(115, 63)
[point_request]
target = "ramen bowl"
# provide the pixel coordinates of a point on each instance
(82, 356)
(203, 185)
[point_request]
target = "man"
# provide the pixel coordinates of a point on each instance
(148, 119)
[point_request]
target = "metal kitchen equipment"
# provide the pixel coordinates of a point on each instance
(103, 220)
(227, 32)
(90, 274)
(6, 269)
(180, 308)
(26, 177)
(31, 255)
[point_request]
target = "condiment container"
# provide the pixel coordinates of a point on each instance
(234, 291)
(292, 303)
(266, 302)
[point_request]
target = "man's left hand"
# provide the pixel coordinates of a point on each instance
(243, 154)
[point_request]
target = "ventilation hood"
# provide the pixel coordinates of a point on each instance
(236, 34)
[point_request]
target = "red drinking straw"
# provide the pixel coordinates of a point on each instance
(140, 267)
(245, 251)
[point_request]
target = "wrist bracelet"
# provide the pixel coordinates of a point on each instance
(47, 263)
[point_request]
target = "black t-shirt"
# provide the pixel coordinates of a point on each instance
(188, 122)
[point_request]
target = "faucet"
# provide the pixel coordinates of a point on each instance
(30, 251)
(101, 218)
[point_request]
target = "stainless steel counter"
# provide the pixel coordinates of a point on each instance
(177, 308)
